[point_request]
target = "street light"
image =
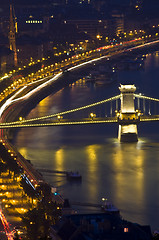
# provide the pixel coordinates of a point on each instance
(59, 117)
(92, 115)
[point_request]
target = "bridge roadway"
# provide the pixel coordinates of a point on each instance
(62, 122)
(149, 118)
(83, 121)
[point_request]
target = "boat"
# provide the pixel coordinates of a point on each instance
(104, 82)
(109, 208)
(105, 79)
(73, 176)
(90, 78)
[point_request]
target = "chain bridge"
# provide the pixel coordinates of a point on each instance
(127, 109)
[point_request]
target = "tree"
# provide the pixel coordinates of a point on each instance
(38, 220)
(16, 236)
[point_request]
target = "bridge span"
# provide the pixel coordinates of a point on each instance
(127, 109)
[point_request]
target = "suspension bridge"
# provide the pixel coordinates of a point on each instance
(127, 109)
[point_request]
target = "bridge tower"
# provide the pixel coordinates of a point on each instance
(128, 117)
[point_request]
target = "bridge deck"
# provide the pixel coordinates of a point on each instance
(149, 118)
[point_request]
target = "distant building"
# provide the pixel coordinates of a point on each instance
(104, 27)
(6, 55)
(90, 26)
(29, 48)
(118, 22)
(6, 59)
(98, 226)
(133, 24)
(30, 25)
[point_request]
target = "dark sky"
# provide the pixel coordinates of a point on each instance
(150, 7)
(44, 1)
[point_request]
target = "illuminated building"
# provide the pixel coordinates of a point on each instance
(12, 31)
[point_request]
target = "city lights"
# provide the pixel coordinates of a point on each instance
(47, 49)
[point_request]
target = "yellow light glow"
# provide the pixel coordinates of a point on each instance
(58, 117)
(59, 159)
(92, 115)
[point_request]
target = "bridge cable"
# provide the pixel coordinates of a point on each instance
(111, 108)
(144, 109)
(144, 97)
(138, 103)
(65, 112)
(117, 104)
(149, 108)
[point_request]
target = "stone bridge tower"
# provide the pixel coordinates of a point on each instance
(128, 117)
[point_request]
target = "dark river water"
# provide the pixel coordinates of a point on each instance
(127, 174)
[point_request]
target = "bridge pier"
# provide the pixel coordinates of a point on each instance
(128, 117)
(128, 133)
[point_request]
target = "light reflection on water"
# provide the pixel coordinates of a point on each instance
(123, 173)
(127, 174)
(59, 160)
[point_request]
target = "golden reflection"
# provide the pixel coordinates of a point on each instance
(44, 102)
(118, 159)
(23, 152)
(128, 164)
(59, 159)
(140, 170)
(43, 106)
(92, 157)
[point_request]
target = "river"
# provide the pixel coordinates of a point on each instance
(127, 174)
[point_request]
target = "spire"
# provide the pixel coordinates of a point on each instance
(12, 31)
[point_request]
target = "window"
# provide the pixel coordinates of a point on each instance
(126, 230)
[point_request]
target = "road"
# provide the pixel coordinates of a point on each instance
(5, 229)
